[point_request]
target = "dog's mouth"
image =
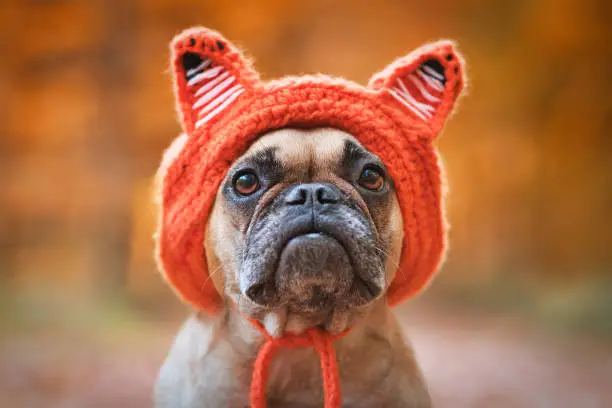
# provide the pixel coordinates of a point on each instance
(315, 281)
(306, 266)
(315, 277)
(316, 271)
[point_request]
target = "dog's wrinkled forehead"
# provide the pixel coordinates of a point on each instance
(305, 153)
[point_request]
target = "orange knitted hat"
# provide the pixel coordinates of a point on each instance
(224, 106)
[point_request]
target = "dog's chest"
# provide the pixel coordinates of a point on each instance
(295, 378)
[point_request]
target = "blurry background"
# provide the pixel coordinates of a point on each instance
(520, 315)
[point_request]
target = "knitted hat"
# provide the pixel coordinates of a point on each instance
(224, 107)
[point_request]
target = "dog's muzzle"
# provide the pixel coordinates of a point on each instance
(311, 245)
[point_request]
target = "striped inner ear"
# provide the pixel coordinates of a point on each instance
(212, 87)
(422, 90)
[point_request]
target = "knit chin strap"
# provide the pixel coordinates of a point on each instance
(313, 337)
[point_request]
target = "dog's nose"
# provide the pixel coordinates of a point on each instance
(313, 193)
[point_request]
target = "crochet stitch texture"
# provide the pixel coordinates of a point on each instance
(224, 106)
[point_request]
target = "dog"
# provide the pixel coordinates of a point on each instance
(293, 214)
(305, 231)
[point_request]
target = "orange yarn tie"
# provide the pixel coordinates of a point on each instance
(313, 337)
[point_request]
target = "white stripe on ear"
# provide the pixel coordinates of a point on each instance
(431, 81)
(219, 108)
(212, 83)
(211, 73)
(432, 73)
(407, 104)
(421, 88)
(213, 92)
(423, 106)
(198, 69)
(218, 100)
(409, 99)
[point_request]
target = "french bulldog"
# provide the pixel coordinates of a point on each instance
(305, 231)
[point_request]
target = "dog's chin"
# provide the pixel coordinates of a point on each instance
(292, 320)
(314, 273)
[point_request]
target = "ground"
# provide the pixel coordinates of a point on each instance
(468, 362)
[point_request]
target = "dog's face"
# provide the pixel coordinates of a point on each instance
(305, 230)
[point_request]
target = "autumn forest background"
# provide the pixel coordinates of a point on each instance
(523, 305)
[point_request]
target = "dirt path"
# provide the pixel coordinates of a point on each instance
(468, 362)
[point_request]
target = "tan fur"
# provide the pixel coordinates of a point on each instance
(210, 363)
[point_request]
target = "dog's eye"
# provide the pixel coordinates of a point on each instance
(246, 183)
(372, 179)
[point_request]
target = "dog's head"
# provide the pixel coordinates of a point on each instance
(305, 230)
(303, 227)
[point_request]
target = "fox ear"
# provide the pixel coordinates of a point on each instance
(425, 83)
(210, 75)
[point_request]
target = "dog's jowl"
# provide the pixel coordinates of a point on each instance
(293, 215)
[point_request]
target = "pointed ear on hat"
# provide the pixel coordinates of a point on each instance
(210, 75)
(425, 84)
